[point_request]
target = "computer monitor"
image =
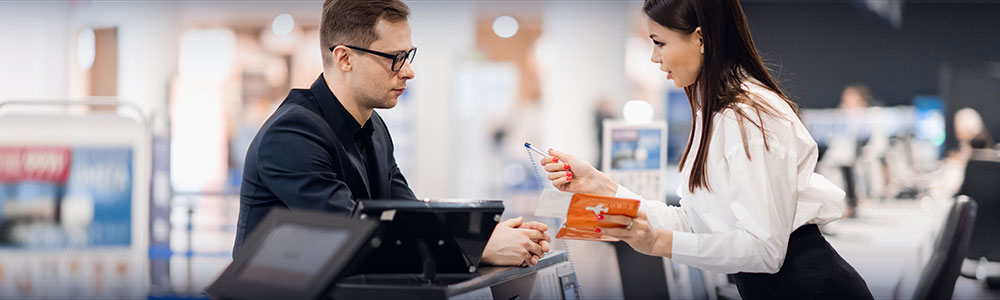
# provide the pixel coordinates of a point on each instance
(450, 234)
(293, 254)
(635, 156)
(929, 124)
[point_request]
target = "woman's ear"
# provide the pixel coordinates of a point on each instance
(701, 42)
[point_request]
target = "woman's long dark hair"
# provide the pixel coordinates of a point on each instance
(730, 59)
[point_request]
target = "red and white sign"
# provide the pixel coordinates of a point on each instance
(50, 164)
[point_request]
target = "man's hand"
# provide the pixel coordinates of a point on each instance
(515, 243)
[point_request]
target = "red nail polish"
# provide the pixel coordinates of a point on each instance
(600, 217)
(597, 230)
(565, 166)
(555, 159)
(569, 173)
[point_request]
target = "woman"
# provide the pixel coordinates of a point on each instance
(751, 201)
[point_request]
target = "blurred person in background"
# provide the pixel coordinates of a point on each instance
(972, 136)
(855, 97)
(970, 132)
(750, 199)
(325, 147)
(841, 155)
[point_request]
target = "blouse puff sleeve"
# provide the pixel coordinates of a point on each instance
(762, 196)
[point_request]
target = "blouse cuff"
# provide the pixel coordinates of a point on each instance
(684, 244)
(625, 193)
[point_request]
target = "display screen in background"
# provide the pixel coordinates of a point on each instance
(929, 119)
(54, 197)
(292, 255)
(636, 149)
(678, 124)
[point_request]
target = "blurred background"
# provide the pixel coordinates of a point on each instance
(124, 125)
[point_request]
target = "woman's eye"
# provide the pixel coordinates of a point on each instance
(658, 44)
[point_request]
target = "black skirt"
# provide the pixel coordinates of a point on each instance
(812, 270)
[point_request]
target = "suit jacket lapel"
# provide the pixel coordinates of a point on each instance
(328, 103)
(380, 164)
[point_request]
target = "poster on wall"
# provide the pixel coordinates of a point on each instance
(66, 221)
(65, 197)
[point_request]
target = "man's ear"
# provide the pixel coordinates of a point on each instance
(701, 41)
(342, 59)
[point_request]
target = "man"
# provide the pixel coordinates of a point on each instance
(325, 147)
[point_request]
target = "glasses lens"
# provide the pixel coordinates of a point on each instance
(397, 62)
(401, 58)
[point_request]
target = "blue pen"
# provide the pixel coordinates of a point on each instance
(532, 148)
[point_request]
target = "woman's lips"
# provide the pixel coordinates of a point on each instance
(669, 76)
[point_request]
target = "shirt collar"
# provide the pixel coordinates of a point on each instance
(332, 107)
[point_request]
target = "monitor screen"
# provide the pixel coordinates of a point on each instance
(929, 119)
(292, 255)
(636, 148)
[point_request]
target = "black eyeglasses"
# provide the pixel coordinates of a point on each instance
(397, 59)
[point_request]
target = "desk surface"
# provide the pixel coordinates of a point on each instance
(892, 239)
(448, 284)
(490, 276)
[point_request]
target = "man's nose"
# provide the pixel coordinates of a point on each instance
(406, 72)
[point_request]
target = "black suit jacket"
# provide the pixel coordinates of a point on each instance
(305, 157)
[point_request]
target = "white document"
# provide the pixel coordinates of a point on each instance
(553, 204)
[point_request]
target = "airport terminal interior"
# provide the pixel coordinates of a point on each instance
(125, 125)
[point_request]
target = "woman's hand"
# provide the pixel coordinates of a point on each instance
(639, 234)
(570, 174)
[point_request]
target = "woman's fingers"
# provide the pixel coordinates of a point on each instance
(620, 233)
(557, 153)
(559, 182)
(549, 159)
(556, 167)
(618, 219)
(556, 157)
(556, 175)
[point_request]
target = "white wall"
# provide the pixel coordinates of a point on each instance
(33, 58)
(581, 54)
(39, 40)
(148, 37)
(443, 32)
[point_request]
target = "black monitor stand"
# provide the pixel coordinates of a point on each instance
(432, 249)
(425, 237)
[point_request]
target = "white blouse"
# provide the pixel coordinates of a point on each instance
(743, 224)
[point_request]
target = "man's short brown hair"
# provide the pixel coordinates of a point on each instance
(352, 22)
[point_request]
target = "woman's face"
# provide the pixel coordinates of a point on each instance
(680, 55)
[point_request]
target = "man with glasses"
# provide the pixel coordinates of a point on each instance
(325, 147)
